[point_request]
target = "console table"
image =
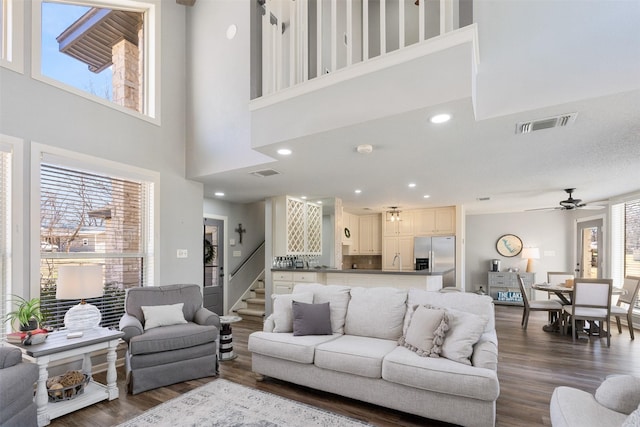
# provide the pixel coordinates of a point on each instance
(57, 346)
(508, 281)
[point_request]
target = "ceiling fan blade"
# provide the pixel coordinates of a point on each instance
(544, 209)
(591, 207)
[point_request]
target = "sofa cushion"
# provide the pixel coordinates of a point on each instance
(464, 332)
(286, 346)
(441, 375)
(162, 315)
(282, 315)
(311, 319)
(172, 338)
(376, 312)
(482, 305)
(354, 355)
(426, 331)
(620, 393)
(336, 295)
(571, 407)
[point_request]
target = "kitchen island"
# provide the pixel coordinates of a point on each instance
(285, 278)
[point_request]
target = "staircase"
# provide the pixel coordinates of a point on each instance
(254, 304)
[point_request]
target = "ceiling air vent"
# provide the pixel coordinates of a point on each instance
(548, 123)
(265, 172)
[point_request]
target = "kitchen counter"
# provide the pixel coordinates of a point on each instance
(431, 281)
(365, 271)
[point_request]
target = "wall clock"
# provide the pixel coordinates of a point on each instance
(509, 245)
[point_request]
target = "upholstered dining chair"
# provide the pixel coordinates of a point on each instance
(558, 278)
(631, 286)
(591, 302)
(550, 306)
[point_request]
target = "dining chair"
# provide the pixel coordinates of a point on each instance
(631, 286)
(558, 278)
(591, 302)
(550, 306)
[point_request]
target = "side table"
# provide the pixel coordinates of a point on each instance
(57, 346)
(226, 337)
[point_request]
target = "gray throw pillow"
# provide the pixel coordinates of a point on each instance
(620, 393)
(311, 319)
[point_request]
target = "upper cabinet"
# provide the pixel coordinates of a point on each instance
(350, 234)
(297, 227)
(370, 235)
(435, 221)
(404, 227)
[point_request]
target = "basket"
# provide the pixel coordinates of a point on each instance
(69, 392)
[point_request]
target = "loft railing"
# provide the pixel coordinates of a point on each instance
(304, 39)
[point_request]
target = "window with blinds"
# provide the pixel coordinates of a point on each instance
(89, 218)
(5, 238)
(625, 220)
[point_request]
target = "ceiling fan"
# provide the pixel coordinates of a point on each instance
(570, 203)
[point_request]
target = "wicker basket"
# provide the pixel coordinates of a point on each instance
(69, 392)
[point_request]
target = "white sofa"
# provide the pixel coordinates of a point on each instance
(362, 358)
(615, 403)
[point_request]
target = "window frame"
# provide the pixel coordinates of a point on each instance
(12, 38)
(151, 60)
(41, 153)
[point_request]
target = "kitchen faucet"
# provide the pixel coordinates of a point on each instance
(399, 258)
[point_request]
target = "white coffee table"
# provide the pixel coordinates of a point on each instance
(226, 337)
(56, 347)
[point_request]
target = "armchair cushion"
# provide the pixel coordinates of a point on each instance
(9, 356)
(131, 326)
(207, 317)
(620, 393)
(172, 337)
(162, 315)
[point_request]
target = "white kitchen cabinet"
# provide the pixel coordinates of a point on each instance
(370, 235)
(403, 246)
(297, 227)
(404, 227)
(284, 281)
(434, 221)
(350, 238)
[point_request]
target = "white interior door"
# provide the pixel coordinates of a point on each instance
(590, 249)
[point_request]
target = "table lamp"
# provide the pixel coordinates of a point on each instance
(530, 254)
(80, 282)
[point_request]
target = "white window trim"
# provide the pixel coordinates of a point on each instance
(151, 10)
(15, 283)
(83, 161)
(12, 56)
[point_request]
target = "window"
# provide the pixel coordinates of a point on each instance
(5, 238)
(11, 34)
(103, 53)
(626, 240)
(93, 218)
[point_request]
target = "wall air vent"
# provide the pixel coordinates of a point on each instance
(548, 123)
(265, 172)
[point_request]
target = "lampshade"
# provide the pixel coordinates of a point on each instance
(530, 254)
(80, 282)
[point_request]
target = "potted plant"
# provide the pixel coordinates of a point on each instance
(27, 313)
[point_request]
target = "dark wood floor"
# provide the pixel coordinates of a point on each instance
(531, 364)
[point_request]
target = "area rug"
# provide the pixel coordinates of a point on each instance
(225, 404)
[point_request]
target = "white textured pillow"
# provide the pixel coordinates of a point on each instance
(162, 315)
(376, 312)
(620, 393)
(283, 312)
(633, 420)
(336, 295)
(426, 331)
(465, 330)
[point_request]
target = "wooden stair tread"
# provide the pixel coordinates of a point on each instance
(255, 301)
(250, 312)
(259, 291)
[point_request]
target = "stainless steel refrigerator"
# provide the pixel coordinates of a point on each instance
(437, 254)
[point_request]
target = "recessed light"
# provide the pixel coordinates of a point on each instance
(358, 191)
(412, 185)
(304, 197)
(319, 202)
(364, 148)
(218, 193)
(284, 151)
(426, 196)
(440, 118)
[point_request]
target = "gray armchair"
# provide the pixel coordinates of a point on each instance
(17, 407)
(169, 354)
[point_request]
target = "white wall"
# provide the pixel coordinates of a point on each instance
(37, 112)
(551, 231)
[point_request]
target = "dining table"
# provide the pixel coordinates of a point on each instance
(565, 294)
